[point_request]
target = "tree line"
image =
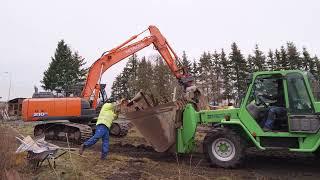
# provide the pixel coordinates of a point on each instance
(221, 76)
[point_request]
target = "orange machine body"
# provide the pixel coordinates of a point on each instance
(37, 109)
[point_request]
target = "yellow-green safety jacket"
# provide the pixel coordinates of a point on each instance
(106, 115)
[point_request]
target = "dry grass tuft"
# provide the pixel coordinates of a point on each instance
(8, 158)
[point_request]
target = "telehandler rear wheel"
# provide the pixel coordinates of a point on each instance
(224, 148)
(317, 154)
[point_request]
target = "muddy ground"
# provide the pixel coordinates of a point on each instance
(132, 158)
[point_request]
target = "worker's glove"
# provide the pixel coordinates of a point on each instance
(116, 115)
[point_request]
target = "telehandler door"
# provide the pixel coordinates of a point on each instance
(302, 116)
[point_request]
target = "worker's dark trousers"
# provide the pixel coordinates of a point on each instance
(101, 132)
(273, 111)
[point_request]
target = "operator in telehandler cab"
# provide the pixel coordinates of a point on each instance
(276, 108)
(269, 101)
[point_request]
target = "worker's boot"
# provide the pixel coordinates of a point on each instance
(103, 157)
(81, 149)
(266, 129)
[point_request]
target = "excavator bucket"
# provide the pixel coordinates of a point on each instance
(157, 125)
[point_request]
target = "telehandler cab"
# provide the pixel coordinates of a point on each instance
(234, 130)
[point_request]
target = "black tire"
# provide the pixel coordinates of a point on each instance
(38, 131)
(115, 129)
(231, 148)
(317, 154)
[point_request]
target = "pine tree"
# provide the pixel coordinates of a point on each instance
(226, 76)
(239, 69)
(124, 79)
(293, 56)
(185, 62)
(65, 70)
(205, 73)
(162, 82)
(79, 73)
(278, 61)
(305, 59)
(250, 65)
(271, 61)
(125, 85)
(144, 76)
(130, 75)
(284, 62)
(195, 71)
(259, 59)
(217, 79)
(116, 89)
(308, 63)
(317, 63)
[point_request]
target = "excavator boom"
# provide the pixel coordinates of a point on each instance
(124, 50)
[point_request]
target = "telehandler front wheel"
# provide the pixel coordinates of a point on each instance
(224, 148)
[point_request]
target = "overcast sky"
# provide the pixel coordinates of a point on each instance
(30, 30)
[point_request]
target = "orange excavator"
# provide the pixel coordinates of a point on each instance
(73, 116)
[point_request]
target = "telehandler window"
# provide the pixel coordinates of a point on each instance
(267, 92)
(299, 100)
(314, 86)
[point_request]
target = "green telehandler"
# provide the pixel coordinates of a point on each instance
(232, 131)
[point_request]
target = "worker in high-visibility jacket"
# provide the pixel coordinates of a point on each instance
(106, 116)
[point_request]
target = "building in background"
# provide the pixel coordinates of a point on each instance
(15, 107)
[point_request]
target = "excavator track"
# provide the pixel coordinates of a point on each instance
(120, 128)
(77, 133)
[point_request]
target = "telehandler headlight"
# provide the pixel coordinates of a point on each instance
(227, 117)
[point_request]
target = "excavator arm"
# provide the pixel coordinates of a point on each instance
(124, 50)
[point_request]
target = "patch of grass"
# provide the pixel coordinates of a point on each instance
(8, 158)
